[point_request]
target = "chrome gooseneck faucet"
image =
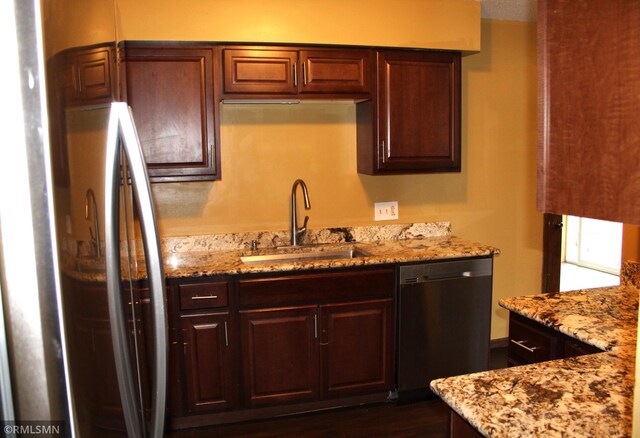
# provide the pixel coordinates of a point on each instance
(89, 198)
(297, 233)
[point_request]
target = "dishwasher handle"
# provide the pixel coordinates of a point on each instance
(439, 271)
(464, 274)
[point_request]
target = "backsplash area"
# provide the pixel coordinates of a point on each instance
(270, 239)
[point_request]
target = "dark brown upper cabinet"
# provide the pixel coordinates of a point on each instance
(86, 75)
(170, 89)
(588, 106)
(272, 72)
(412, 124)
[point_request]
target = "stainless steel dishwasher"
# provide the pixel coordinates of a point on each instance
(444, 322)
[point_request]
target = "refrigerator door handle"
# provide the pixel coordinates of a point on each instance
(121, 124)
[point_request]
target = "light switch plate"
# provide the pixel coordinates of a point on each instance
(386, 211)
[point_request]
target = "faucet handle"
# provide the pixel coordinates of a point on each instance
(304, 225)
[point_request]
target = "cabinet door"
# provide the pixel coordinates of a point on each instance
(84, 75)
(258, 71)
(335, 71)
(91, 358)
(279, 355)
(94, 74)
(170, 91)
(209, 377)
(357, 347)
(588, 106)
(67, 81)
(418, 111)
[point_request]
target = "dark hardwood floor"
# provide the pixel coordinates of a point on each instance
(419, 419)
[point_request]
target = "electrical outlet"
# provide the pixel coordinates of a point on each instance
(386, 211)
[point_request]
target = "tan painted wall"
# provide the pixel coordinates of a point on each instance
(266, 147)
(86, 137)
(437, 24)
(73, 23)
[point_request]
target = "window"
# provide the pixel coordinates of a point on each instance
(593, 244)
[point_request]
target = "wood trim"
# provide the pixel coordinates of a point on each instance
(272, 411)
(316, 287)
(494, 344)
(551, 252)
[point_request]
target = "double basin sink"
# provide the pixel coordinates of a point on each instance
(302, 254)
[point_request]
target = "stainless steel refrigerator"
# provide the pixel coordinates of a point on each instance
(83, 336)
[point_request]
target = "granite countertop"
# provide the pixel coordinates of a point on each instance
(194, 256)
(379, 252)
(583, 396)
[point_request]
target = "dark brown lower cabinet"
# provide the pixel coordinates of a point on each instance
(207, 362)
(460, 428)
(279, 355)
(316, 336)
(532, 342)
(258, 345)
(312, 352)
(91, 356)
(356, 341)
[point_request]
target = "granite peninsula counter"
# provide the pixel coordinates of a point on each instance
(588, 395)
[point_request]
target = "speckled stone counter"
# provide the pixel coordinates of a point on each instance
(380, 252)
(194, 256)
(584, 396)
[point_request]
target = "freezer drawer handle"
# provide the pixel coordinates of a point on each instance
(521, 344)
(206, 297)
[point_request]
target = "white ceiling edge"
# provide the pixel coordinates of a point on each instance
(514, 10)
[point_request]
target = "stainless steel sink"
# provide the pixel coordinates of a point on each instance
(304, 256)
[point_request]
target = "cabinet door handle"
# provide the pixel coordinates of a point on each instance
(226, 335)
(205, 297)
(315, 326)
(521, 344)
(304, 74)
(295, 74)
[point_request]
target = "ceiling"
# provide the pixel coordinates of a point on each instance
(515, 10)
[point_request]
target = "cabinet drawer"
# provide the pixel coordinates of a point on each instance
(316, 287)
(335, 71)
(573, 347)
(260, 71)
(203, 295)
(527, 343)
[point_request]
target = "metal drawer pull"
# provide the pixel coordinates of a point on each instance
(206, 297)
(520, 344)
(226, 335)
